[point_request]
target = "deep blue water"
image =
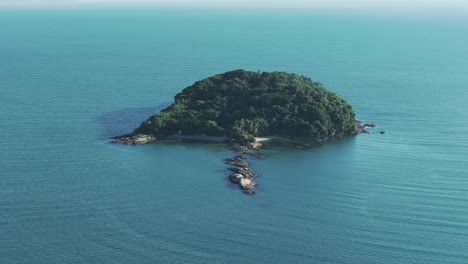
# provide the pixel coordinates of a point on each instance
(71, 79)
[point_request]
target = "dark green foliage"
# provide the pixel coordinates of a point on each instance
(242, 104)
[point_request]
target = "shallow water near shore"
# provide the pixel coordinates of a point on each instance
(70, 79)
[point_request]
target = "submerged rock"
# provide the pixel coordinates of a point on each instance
(249, 192)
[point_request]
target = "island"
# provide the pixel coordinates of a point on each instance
(241, 106)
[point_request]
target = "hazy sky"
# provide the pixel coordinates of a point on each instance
(455, 5)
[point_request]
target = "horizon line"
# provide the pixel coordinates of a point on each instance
(308, 9)
(359, 5)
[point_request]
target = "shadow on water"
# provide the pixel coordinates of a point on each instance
(125, 120)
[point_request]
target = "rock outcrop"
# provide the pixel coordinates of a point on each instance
(369, 125)
(238, 161)
(248, 148)
(363, 128)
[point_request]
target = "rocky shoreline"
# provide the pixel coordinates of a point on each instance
(133, 140)
(247, 148)
(364, 128)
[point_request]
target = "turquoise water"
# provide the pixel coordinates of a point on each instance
(71, 79)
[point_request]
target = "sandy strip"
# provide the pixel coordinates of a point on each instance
(260, 139)
(216, 139)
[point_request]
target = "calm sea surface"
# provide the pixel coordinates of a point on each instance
(71, 79)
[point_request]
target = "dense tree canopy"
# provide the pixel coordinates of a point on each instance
(242, 105)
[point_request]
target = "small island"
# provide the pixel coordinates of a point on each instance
(242, 105)
(239, 106)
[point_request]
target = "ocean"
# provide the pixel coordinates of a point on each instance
(70, 79)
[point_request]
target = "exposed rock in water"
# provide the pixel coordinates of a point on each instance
(134, 140)
(248, 148)
(242, 175)
(247, 184)
(246, 172)
(236, 177)
(363, 128)
(238, 161)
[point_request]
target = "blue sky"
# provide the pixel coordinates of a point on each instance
(447, 5)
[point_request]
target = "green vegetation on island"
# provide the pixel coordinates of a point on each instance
(242, 105)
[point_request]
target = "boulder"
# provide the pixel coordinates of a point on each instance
(247, 184)
(236, 178)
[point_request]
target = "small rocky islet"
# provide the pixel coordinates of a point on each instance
(242, 175)
(237, 107)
